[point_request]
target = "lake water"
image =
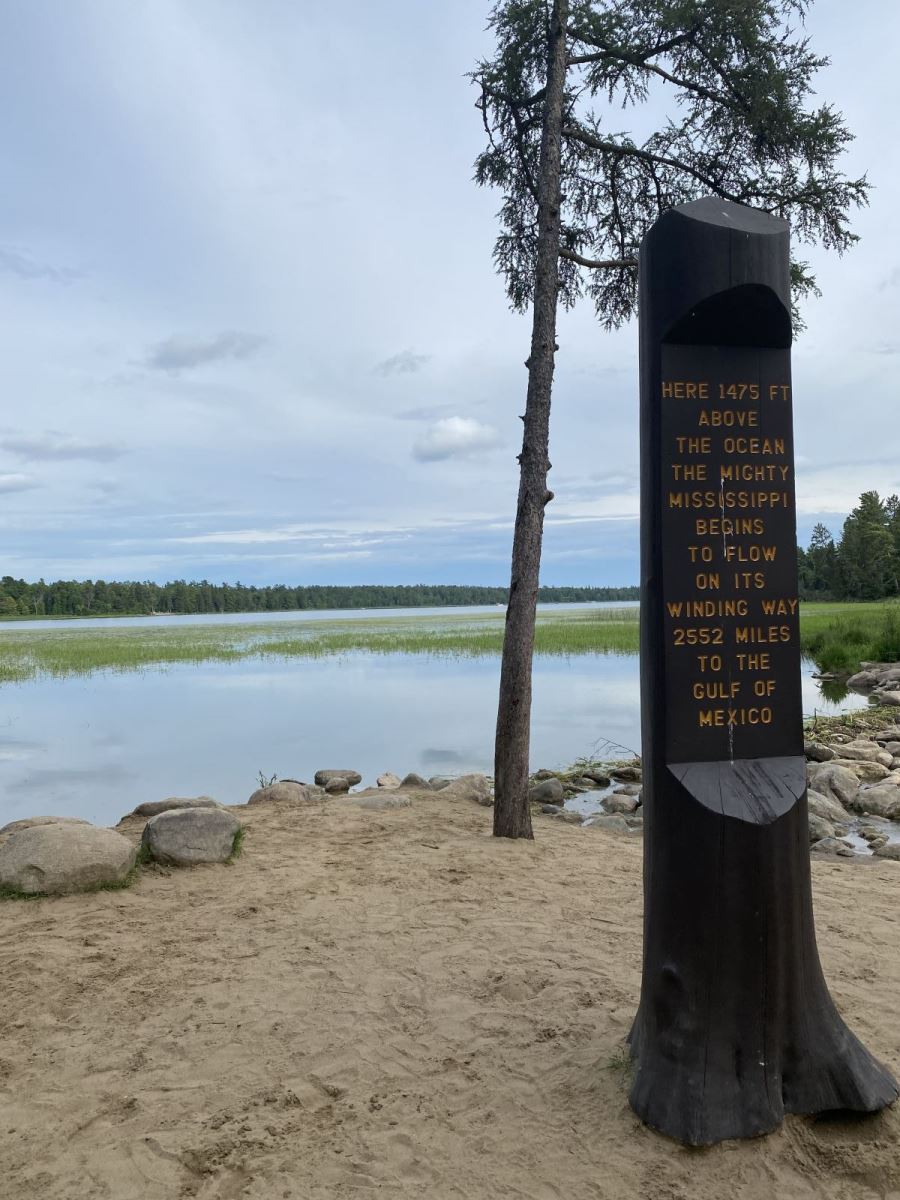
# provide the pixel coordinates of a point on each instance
(96, 746)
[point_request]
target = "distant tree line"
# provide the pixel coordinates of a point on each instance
(864, 564)
(98, 598)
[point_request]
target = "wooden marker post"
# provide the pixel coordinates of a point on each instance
(735, 1025)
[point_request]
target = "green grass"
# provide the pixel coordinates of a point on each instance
(236, 846)
(836, 636)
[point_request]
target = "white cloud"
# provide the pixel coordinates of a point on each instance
(455, 437)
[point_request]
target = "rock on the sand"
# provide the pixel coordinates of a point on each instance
(888, 850)
(469, 787)
(611, 822)
(882, 800)
(184, 837)
(547, 791)
(831, 845)
(29, 822)
(152, 807)
(416, 782)
(389, 799)
(352, 777)
(284, 789)
(620, 803)
(388, 780)
(62, 858)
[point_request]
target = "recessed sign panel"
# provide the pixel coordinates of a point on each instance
(732, 650)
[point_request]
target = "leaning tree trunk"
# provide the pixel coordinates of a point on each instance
(735, 1026)
(512, 817)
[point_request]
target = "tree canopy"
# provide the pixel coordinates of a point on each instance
(726, 86)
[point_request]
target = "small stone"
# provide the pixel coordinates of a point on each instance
(610, 822)
(353, 777)
(569, 817)
(877, 843)
(543, 773)
(551, 809)
(629, 789)
(412, 780)
(828, 845)
(188, 836)
(548, 791)
(387, 800)
(388, 780)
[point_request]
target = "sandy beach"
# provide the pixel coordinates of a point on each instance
(391, 1004)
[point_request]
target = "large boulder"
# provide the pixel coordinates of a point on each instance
(547, 791)
(827, 808)
(352, 777)
(882, 800)
(833, 780)
(64, 857)
(30, 822)
(469, 787)
(184, 837)
(153, 807)
(284, 789)
(388, 780)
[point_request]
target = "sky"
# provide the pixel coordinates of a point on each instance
(250, 328)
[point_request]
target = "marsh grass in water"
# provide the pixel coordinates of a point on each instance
(27, 654)
(836, 636)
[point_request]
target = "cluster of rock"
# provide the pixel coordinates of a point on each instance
(391, 791)
(620, 808)
(881, 680)
(56, 856)
(851, 777)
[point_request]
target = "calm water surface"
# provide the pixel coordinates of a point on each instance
(96, 746)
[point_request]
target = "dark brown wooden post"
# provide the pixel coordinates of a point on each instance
(735, 1025)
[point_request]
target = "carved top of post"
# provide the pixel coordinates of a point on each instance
(714, 272)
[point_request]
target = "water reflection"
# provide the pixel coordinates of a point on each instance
(96, 746)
